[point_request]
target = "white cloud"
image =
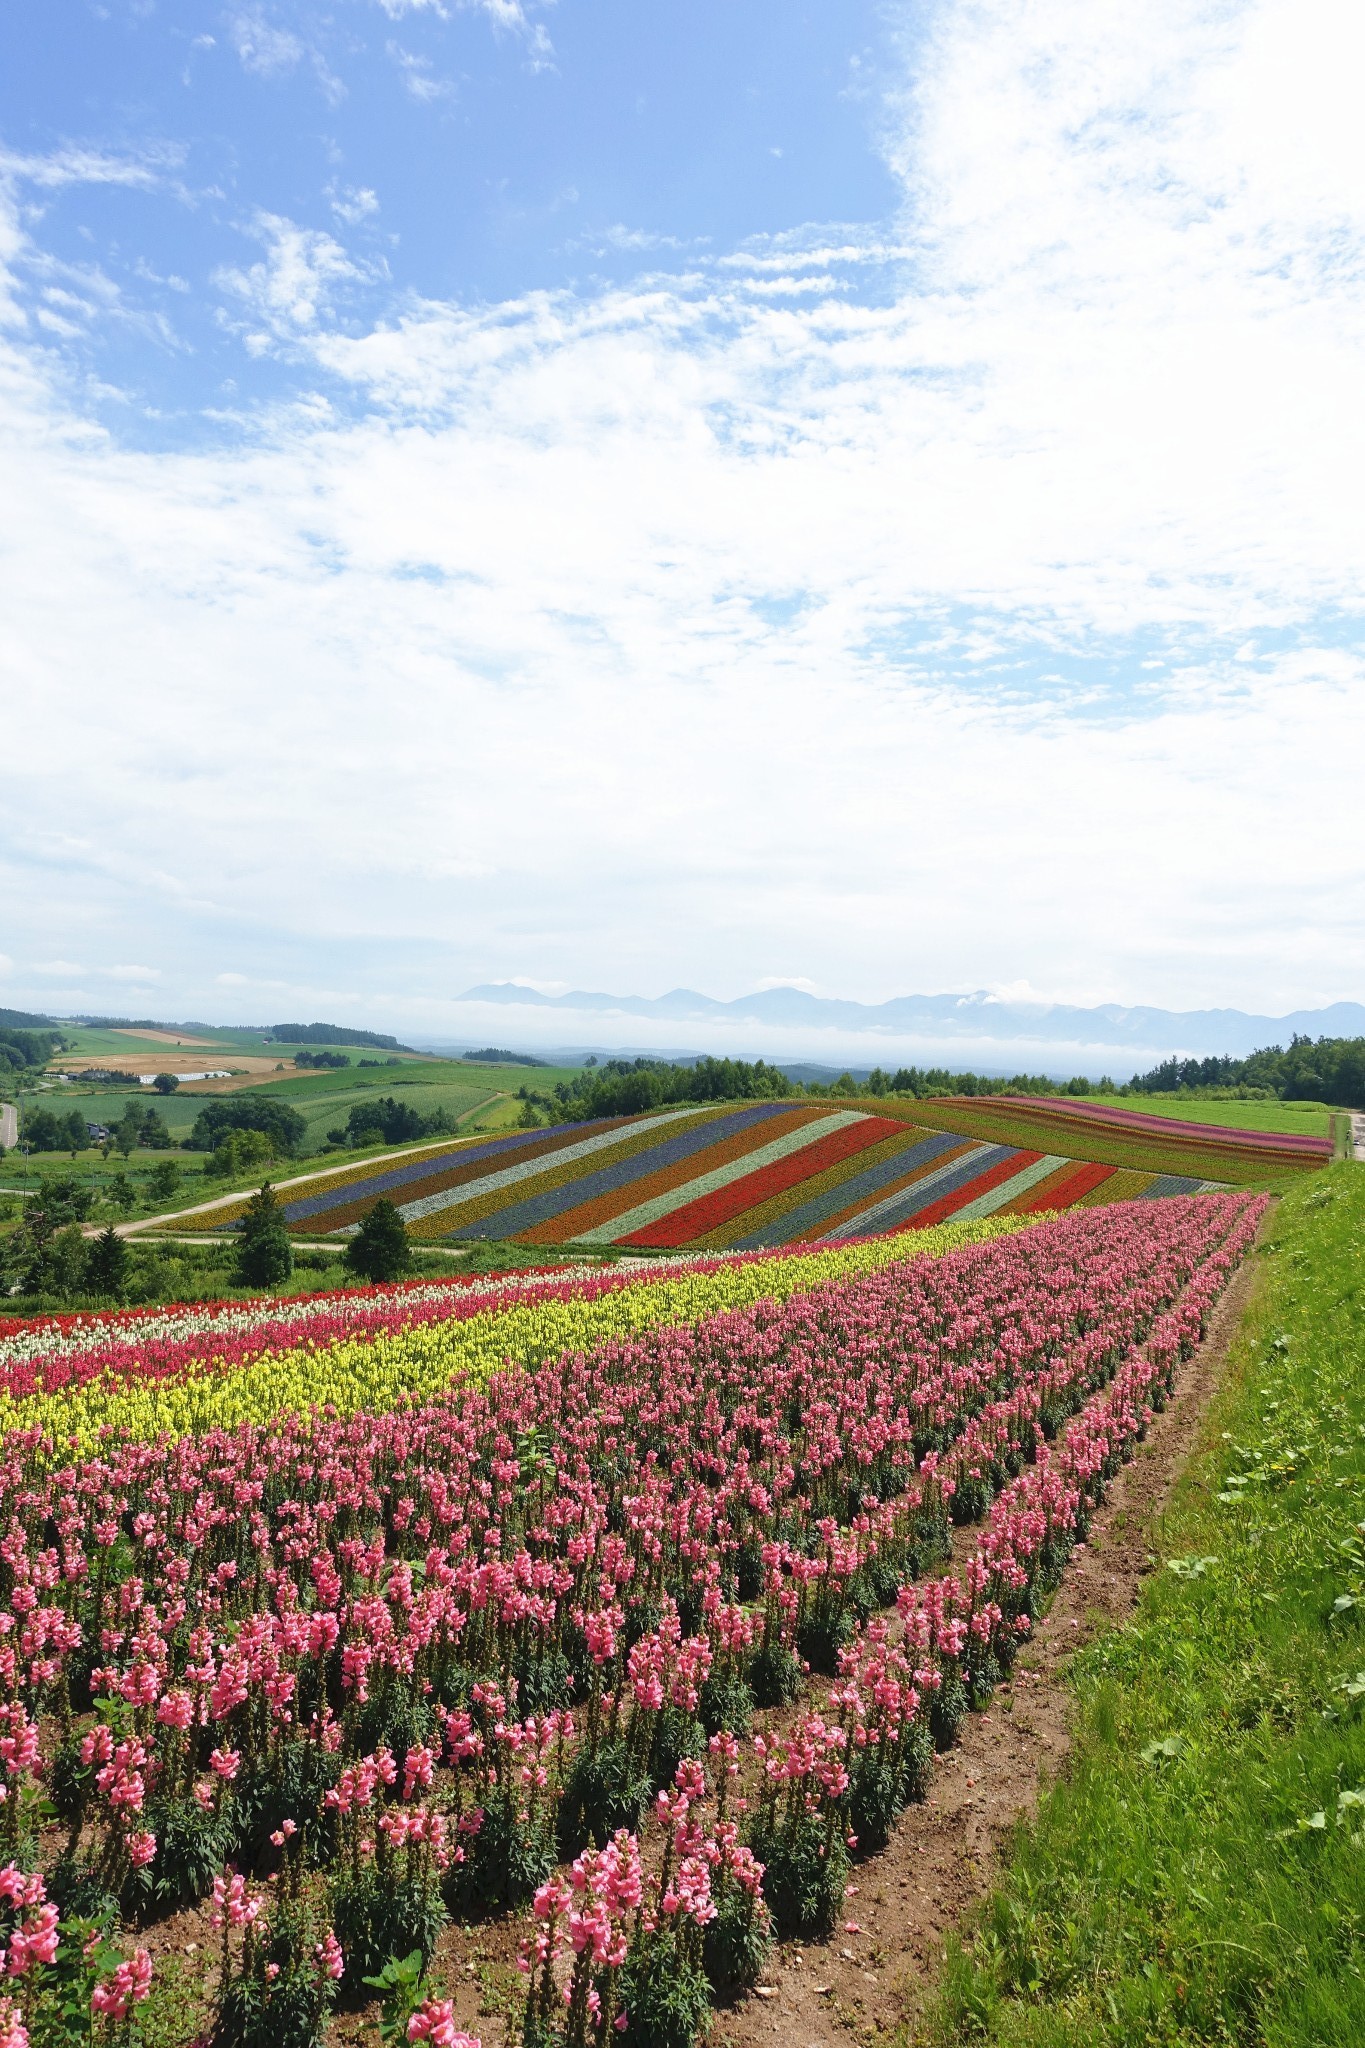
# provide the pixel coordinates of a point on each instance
(352, 204)
(81, 166)
(419, 75)
(740, 620)
(296, 282)
(264, 48)
(131, 973)
(508, 16)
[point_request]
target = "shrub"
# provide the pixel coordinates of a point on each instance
(774, 1676)
(380, 1250)
(505, 1860)
(737, 1942)
(726, 1702)
(677, 1734)
(949, 1707)
(381, 1917)
(664, 1995)
(191, 1847)
(606, 1789)
(805, 1871)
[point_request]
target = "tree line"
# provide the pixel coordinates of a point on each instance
(1306, 1070)
(48, 1130)
(628, 1087)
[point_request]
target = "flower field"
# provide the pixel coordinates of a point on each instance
(1171, 1153)
(718, 1178)
(616, 1606)
(153, 1373)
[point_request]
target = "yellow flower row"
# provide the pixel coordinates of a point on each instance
(419, 1361)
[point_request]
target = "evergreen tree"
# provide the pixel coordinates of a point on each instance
(264, 1253)
(106, 1265)
(380, 1250)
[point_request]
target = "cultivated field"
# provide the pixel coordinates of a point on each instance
(1117, 1135)
(743, 1177)
(331, 1591)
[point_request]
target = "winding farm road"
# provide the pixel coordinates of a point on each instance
(1358, 1134)
(9, 1126)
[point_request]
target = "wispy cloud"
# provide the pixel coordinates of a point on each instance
(352, 204)
(295, 285)
(76, 164)
(419, 74)
(509, 17)
(274, 52)
(263, 46)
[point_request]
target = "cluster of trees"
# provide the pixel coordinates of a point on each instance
(21, 1048)
(49, 1253)
(922, 1081)
(48, 1130)
(386, 1121)
(335, 1034)
(1307, 1070)
(498, 1056)
(625, 1087)
(322, 1059)
(273, 1118)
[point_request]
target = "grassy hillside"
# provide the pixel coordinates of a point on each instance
(1310, 1118)
(1197, 1877)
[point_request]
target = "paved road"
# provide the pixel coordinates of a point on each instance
(1358, 1134)
(9, 1126)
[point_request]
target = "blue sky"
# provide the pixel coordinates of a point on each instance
(469, 153)
(625, 497)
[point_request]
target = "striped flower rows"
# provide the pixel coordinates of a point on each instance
(178, 1372)
(711, 1179)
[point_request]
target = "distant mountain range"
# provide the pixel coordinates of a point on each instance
(978, 1029)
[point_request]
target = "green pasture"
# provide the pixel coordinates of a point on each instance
(1198, 1876)
(1306, 1119)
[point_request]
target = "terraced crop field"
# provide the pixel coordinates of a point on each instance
(734, 1178)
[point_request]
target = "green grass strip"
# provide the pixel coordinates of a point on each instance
(1199, 1874)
